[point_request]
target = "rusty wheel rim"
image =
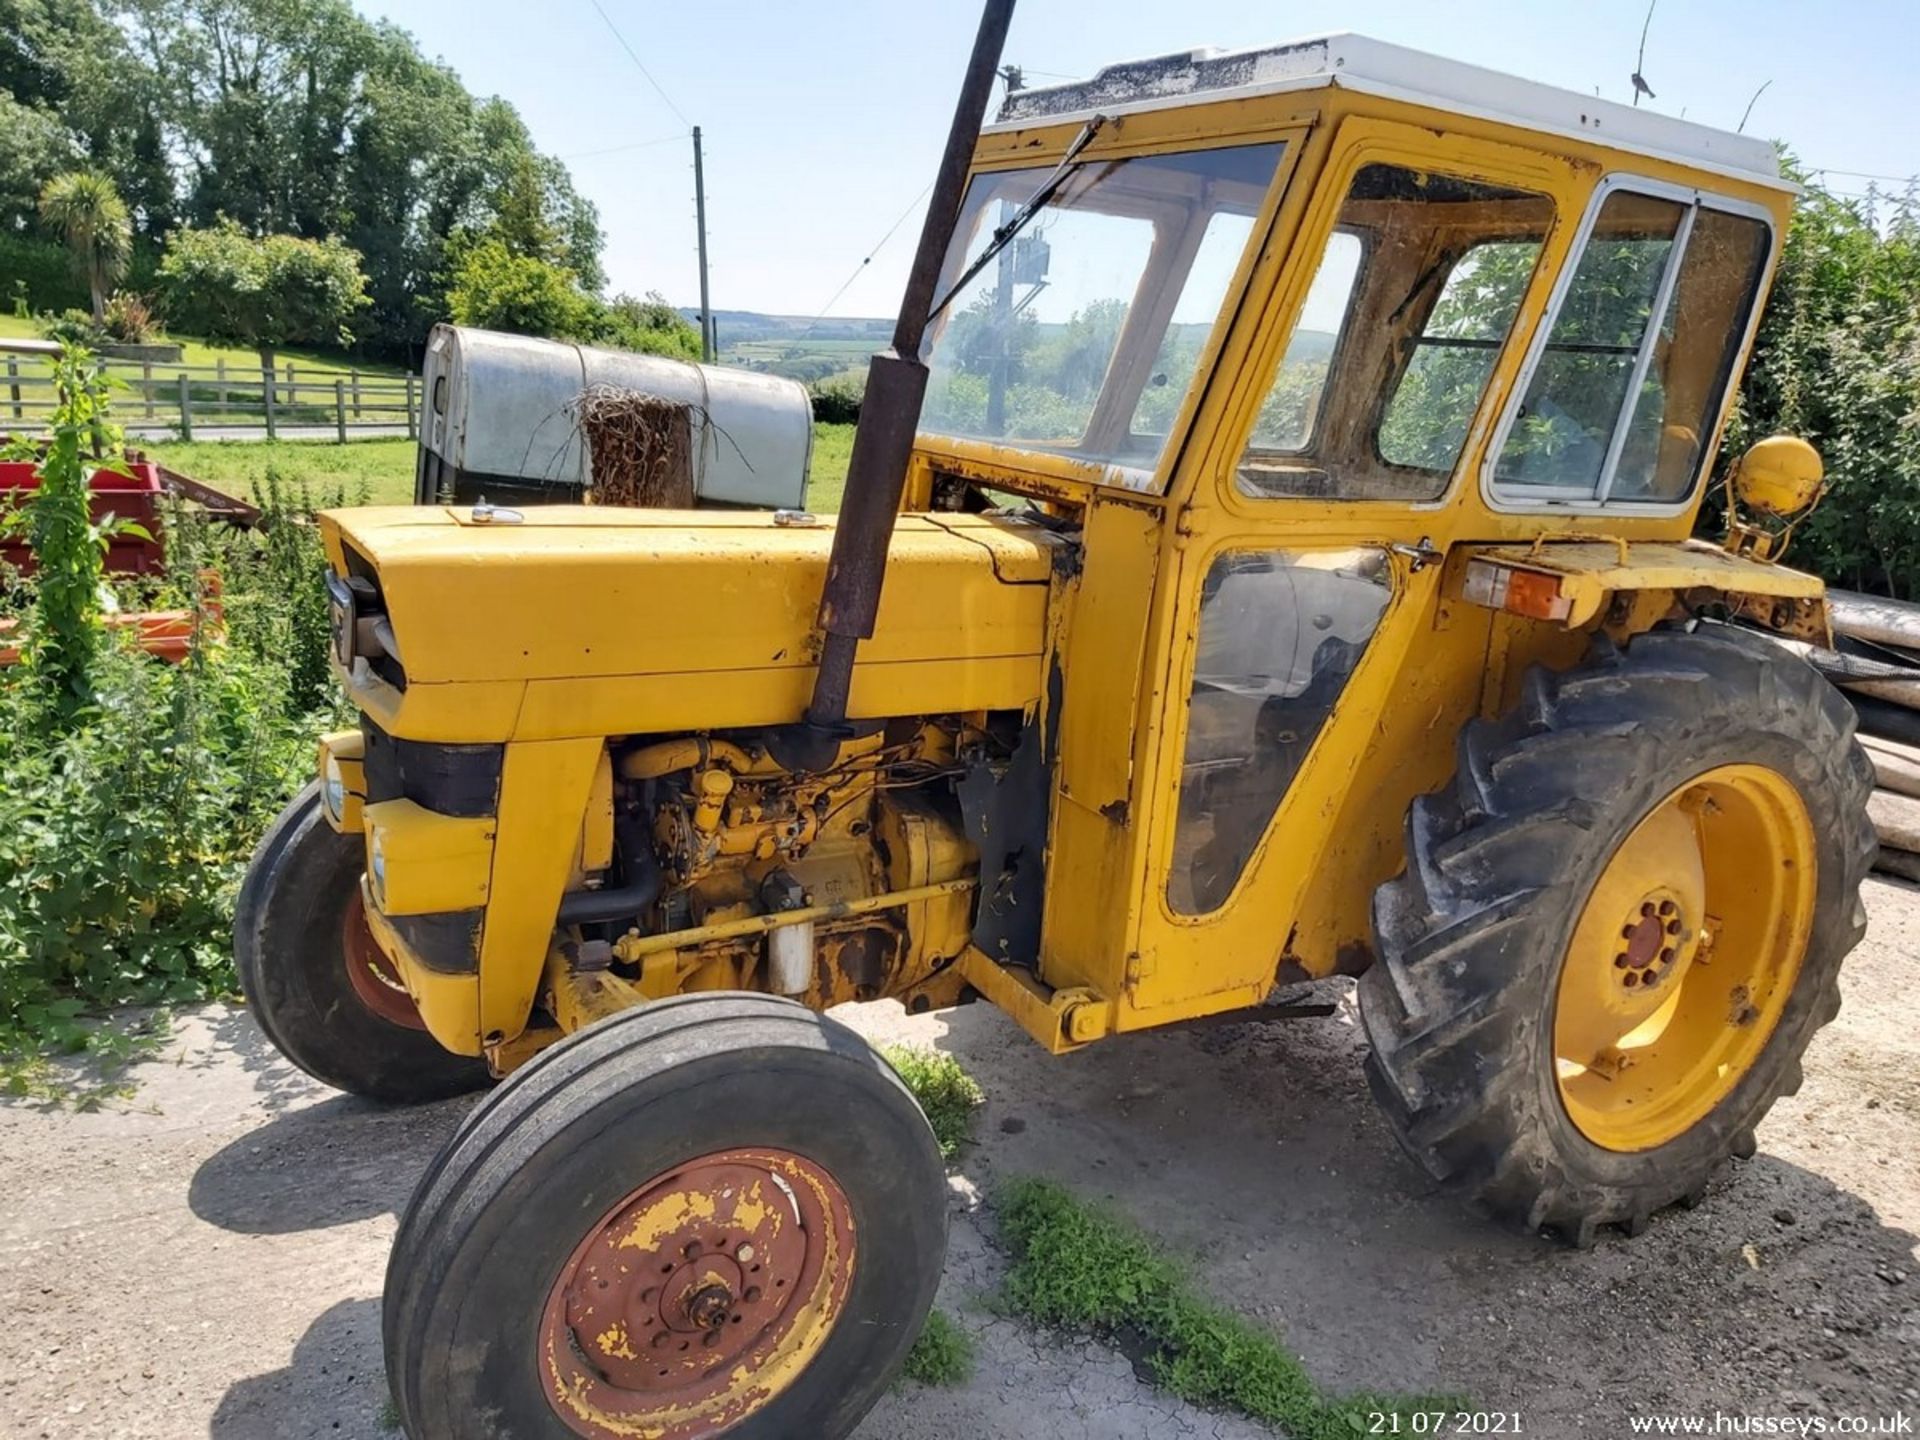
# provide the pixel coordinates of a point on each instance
(374, 980)
(699, 1298)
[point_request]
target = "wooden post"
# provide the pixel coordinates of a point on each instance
(293, 390)
(267, 391)
(221, 394)
(356, 394)
(340, 410)
(13, 384)
(146, 384)
(186, 408)
(413, 419)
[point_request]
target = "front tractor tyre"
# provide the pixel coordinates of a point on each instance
(717, 1215)
(1619, 928)
(316, 981)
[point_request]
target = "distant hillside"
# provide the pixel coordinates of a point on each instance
(736, 326)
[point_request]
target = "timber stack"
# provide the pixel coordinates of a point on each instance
(1876, 664)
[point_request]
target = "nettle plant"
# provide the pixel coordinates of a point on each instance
(132, 791)
(65, 636)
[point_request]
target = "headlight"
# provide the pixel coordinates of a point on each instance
(377, 864)
(333, 789)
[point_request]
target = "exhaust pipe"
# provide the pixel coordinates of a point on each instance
(890, 414)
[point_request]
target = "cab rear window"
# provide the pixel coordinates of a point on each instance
(1623, 398)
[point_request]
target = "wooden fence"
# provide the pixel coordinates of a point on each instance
(226, 397)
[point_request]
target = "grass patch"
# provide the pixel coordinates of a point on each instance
(380, 469)
(1077, 1268)
(827, 477)
(383, 469)
(943, 1355)
(947, 1094)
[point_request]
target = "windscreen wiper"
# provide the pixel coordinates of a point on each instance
(1020, 219)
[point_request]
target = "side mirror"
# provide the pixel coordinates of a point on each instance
(1772, 488)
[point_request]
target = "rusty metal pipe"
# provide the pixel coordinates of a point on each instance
(890, 414)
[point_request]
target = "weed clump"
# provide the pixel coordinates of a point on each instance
(947, 1094)
(1077, 1268)
(943, 1355)
(132, 791)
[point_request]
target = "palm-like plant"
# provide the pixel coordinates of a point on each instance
(90, 216)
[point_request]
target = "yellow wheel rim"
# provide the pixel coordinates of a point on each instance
(1684, 957)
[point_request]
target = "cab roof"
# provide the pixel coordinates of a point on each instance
(1374, 67)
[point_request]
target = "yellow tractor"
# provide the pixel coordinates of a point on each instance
(1265, 557)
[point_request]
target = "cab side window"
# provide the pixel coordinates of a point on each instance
(1387, 365)
(1625, 394)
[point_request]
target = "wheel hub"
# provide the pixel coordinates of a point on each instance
(698, 1298)
(1654, 938)
(376, 984)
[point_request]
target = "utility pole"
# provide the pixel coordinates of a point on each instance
(700, 219)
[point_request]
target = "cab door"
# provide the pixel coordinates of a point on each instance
(1312, 683)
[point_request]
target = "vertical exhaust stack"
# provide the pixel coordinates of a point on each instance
(890, 414)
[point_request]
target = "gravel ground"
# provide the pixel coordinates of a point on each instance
(207, 1259)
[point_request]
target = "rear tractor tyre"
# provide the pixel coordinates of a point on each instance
(719, 1215)
(315, 979)
(1619, 928)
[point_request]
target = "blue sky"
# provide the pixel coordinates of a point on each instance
(823, 120)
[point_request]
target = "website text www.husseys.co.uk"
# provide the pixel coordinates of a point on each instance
(1723, 1423)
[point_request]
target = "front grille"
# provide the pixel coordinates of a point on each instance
(461, 780)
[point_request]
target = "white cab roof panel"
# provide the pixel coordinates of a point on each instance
(1375, 67)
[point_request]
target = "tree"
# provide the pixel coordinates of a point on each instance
(497, 288)
(90, 216)
(265, 292)
(34, 146)
(295, 117)
(1837, 361)
(648, 327)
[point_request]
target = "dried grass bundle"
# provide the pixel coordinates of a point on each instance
(639, 448)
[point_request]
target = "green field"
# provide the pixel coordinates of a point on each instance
(382, 470)
(12, 327)
(808, 360)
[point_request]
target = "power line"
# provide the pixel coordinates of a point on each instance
(640, 65)
(622, 149)
(872, 251)
(1861, 175)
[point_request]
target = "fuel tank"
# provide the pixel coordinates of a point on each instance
(499, 420)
